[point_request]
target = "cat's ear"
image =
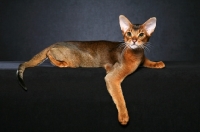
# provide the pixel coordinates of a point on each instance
(150, 25)
(125, 24)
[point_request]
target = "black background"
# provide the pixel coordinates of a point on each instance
(76, 100)
(28, 26)
(57, 99)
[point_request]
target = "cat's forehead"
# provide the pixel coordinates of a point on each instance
(136, 26)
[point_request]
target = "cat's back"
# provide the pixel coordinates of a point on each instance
(89, 44)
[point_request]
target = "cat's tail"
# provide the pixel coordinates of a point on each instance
(36, 60)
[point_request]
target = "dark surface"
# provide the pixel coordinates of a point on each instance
(166, 100)
(28, 26)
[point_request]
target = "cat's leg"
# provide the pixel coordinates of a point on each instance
(108, 67)
(151, 64)
(113, 83)
(57, 58)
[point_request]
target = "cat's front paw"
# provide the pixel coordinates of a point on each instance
(160, 64)
(123, 118)
(151, 64)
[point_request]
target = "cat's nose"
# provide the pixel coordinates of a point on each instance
(134, 40)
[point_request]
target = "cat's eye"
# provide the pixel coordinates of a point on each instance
(128, 34)
(141, 34)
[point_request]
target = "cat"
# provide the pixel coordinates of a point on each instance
(118, 58)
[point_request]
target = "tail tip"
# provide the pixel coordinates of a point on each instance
(25, 88)
(21, 82)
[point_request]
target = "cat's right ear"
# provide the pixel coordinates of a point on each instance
(150, 25)
(125, 24)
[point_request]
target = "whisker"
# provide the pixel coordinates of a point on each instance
(140, 46)
(121, 45)
(148, 44)
(146, 48)
(125, 47)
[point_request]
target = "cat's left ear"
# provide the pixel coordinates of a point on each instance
(150, 25)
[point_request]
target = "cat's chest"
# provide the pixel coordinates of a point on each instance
(132, 58)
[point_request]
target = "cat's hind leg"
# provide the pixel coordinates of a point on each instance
(57, 58)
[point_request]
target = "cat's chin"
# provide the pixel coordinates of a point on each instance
(133, 46)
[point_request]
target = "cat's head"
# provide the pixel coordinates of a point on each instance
(136, 35)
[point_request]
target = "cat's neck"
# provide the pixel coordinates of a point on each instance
(133, 55)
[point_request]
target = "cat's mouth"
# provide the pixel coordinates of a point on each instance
(133, 46)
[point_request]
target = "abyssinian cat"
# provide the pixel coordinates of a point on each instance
(118, 58)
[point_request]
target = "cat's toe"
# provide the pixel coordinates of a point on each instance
(160, 64)
(123, 118)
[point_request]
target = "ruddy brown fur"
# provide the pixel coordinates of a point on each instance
(118, 58)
